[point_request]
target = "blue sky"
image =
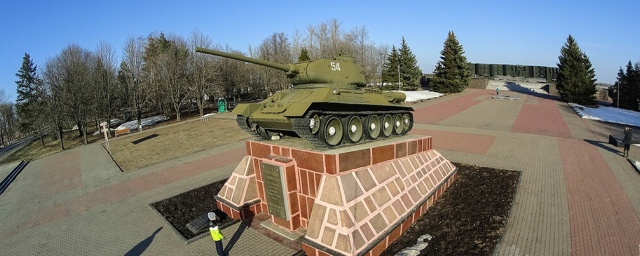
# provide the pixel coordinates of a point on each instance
(506, 32)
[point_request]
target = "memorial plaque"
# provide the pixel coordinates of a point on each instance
(273, 178)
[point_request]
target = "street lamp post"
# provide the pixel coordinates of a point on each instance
(618, 104)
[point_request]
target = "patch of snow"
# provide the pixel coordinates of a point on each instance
(420, 95)
(635, 164)
(415, 249)
(608, 114)
(132, 125)
(113, 122)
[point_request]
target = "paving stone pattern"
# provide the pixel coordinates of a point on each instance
(577, 194)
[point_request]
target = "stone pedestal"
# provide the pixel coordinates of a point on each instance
(349, 201)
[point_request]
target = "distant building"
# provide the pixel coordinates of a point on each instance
(503, 70)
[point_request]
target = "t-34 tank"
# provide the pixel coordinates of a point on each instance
(328, 104)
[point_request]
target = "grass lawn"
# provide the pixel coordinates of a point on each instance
(35, 150)
(173, 141)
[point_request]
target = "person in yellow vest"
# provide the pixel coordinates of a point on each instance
(215, 233)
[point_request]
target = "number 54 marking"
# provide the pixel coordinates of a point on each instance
(335, 66)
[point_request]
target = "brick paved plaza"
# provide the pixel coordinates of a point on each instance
(577, 194)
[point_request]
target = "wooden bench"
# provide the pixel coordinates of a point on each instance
(123, 131)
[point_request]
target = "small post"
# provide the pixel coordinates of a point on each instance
(399, 84)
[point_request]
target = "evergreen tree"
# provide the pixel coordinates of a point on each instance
(27, 79)
(410, 73)
(304, 55)
(628, 85)
(576, 78)
(390, 70)
(452, 71)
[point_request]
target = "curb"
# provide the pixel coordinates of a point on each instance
(12, 176)
(108, 153)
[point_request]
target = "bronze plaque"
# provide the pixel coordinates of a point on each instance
(273, 178)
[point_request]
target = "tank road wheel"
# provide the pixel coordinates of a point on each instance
(314, 123)
(387, 125)
(407, 120)
(354, 128)
(373, 127)
(398, 124)
(331, 131)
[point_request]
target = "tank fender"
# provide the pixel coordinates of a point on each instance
(297, 109)
(246, 109)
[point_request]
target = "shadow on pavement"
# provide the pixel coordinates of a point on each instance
(143, 245)
(512, 86)
(605, 146)
(234, 239)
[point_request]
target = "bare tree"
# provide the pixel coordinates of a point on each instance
(9, 124)
(311, 42)
(275, 48)
(173, 73)
(75, 63)
(201, 69)
(296, 43)
(130, 75)
(108, 91)
(50, 92)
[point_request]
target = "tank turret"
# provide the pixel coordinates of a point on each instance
(328, 104)
(340, 70)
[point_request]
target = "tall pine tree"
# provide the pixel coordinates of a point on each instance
(452, 71)
(390, 70)
(628, 86)
(27, 79)
(304, 55)
(410, 73)
(576, 78)
(404, 62)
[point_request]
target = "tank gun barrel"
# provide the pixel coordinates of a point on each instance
(283, 67)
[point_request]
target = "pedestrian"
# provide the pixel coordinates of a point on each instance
(497, 91)
(215, 233)
(628, 135)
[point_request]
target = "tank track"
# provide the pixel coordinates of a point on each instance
(244, 127)
(301, 126)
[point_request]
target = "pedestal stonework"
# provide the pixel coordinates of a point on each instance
(349, 201)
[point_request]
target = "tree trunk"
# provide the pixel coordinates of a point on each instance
(79, 128)
(200, 106)
(84, 129)
(40, 134)
(108, 126)
(139, 117)
(178, 116)
(60, 136)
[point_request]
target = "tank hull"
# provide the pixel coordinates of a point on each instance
(347, 113)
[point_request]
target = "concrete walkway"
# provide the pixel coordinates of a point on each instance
(577, 194)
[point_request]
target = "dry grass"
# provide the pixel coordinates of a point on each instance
(35, 150)
(173, 141)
